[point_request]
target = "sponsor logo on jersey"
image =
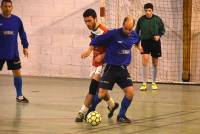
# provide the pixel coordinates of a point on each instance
(8, 32)
(125, 51)
(120, 42)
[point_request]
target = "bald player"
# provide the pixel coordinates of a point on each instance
(118, 56)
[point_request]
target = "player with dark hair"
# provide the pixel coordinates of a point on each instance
(90, 18)
(150, 27)
(10, 27)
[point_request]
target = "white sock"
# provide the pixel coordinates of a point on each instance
(20, 97)
(84, 109)
(110, 103)
(144, 74)
(154, 74)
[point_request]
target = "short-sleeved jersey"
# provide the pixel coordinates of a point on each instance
(100, 49)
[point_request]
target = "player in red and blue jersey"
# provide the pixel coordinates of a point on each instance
(97, 29)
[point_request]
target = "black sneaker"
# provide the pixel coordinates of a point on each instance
(123, 119)
(113, 110)
(22, 99)
(79, 117)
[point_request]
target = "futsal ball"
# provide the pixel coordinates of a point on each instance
(93, 118)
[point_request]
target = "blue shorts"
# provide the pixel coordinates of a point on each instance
(13, 64)
(115, 74)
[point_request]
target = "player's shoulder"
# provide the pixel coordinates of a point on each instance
(16, 17)
(12, 17)
(115, 31)
(142, 17)
(103, 27)
(156, 16)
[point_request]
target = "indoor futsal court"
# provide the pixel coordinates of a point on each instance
(51, 77)
(174, 109)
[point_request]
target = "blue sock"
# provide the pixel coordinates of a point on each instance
(124, 106)
(95, 102)
(18, 85)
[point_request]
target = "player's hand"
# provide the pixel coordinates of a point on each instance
(99, 58)
(139, 47)
(25, 52)
(156, 37)
(85, 54)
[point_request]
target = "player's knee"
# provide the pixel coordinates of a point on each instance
(145, 60)
(96, 77)
(155, 64)
(107, 97)
(16, 73)
(129, 92)
(102, 93)
(129, 96)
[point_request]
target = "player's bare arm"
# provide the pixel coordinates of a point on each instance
(87, 52)
(100, 57)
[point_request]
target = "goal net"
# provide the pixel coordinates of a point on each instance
(171, 11)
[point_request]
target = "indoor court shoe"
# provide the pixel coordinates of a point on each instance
(79, 117)
(112, 110)
(123, 119)
(143, 87)
(22, 99)
(154, 86)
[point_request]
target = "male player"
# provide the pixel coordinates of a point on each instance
(10, 27)
(90, 18)
(118, 56)
(150, 27)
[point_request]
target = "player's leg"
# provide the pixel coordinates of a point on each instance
(125, 82)
(129, 92)
(89, 97)
(154, 73)
(112, 105)
(106, 83)
(156, 53)
(15, 66)
(98, 98)
(145, 61)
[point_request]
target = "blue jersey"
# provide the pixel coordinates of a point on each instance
(119, 46)
(9, 29)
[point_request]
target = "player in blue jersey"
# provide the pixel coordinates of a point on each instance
(10, 27)
(118, 56)
(90, 18)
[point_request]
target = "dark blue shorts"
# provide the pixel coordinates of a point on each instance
(14, 64)
(115, 74)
